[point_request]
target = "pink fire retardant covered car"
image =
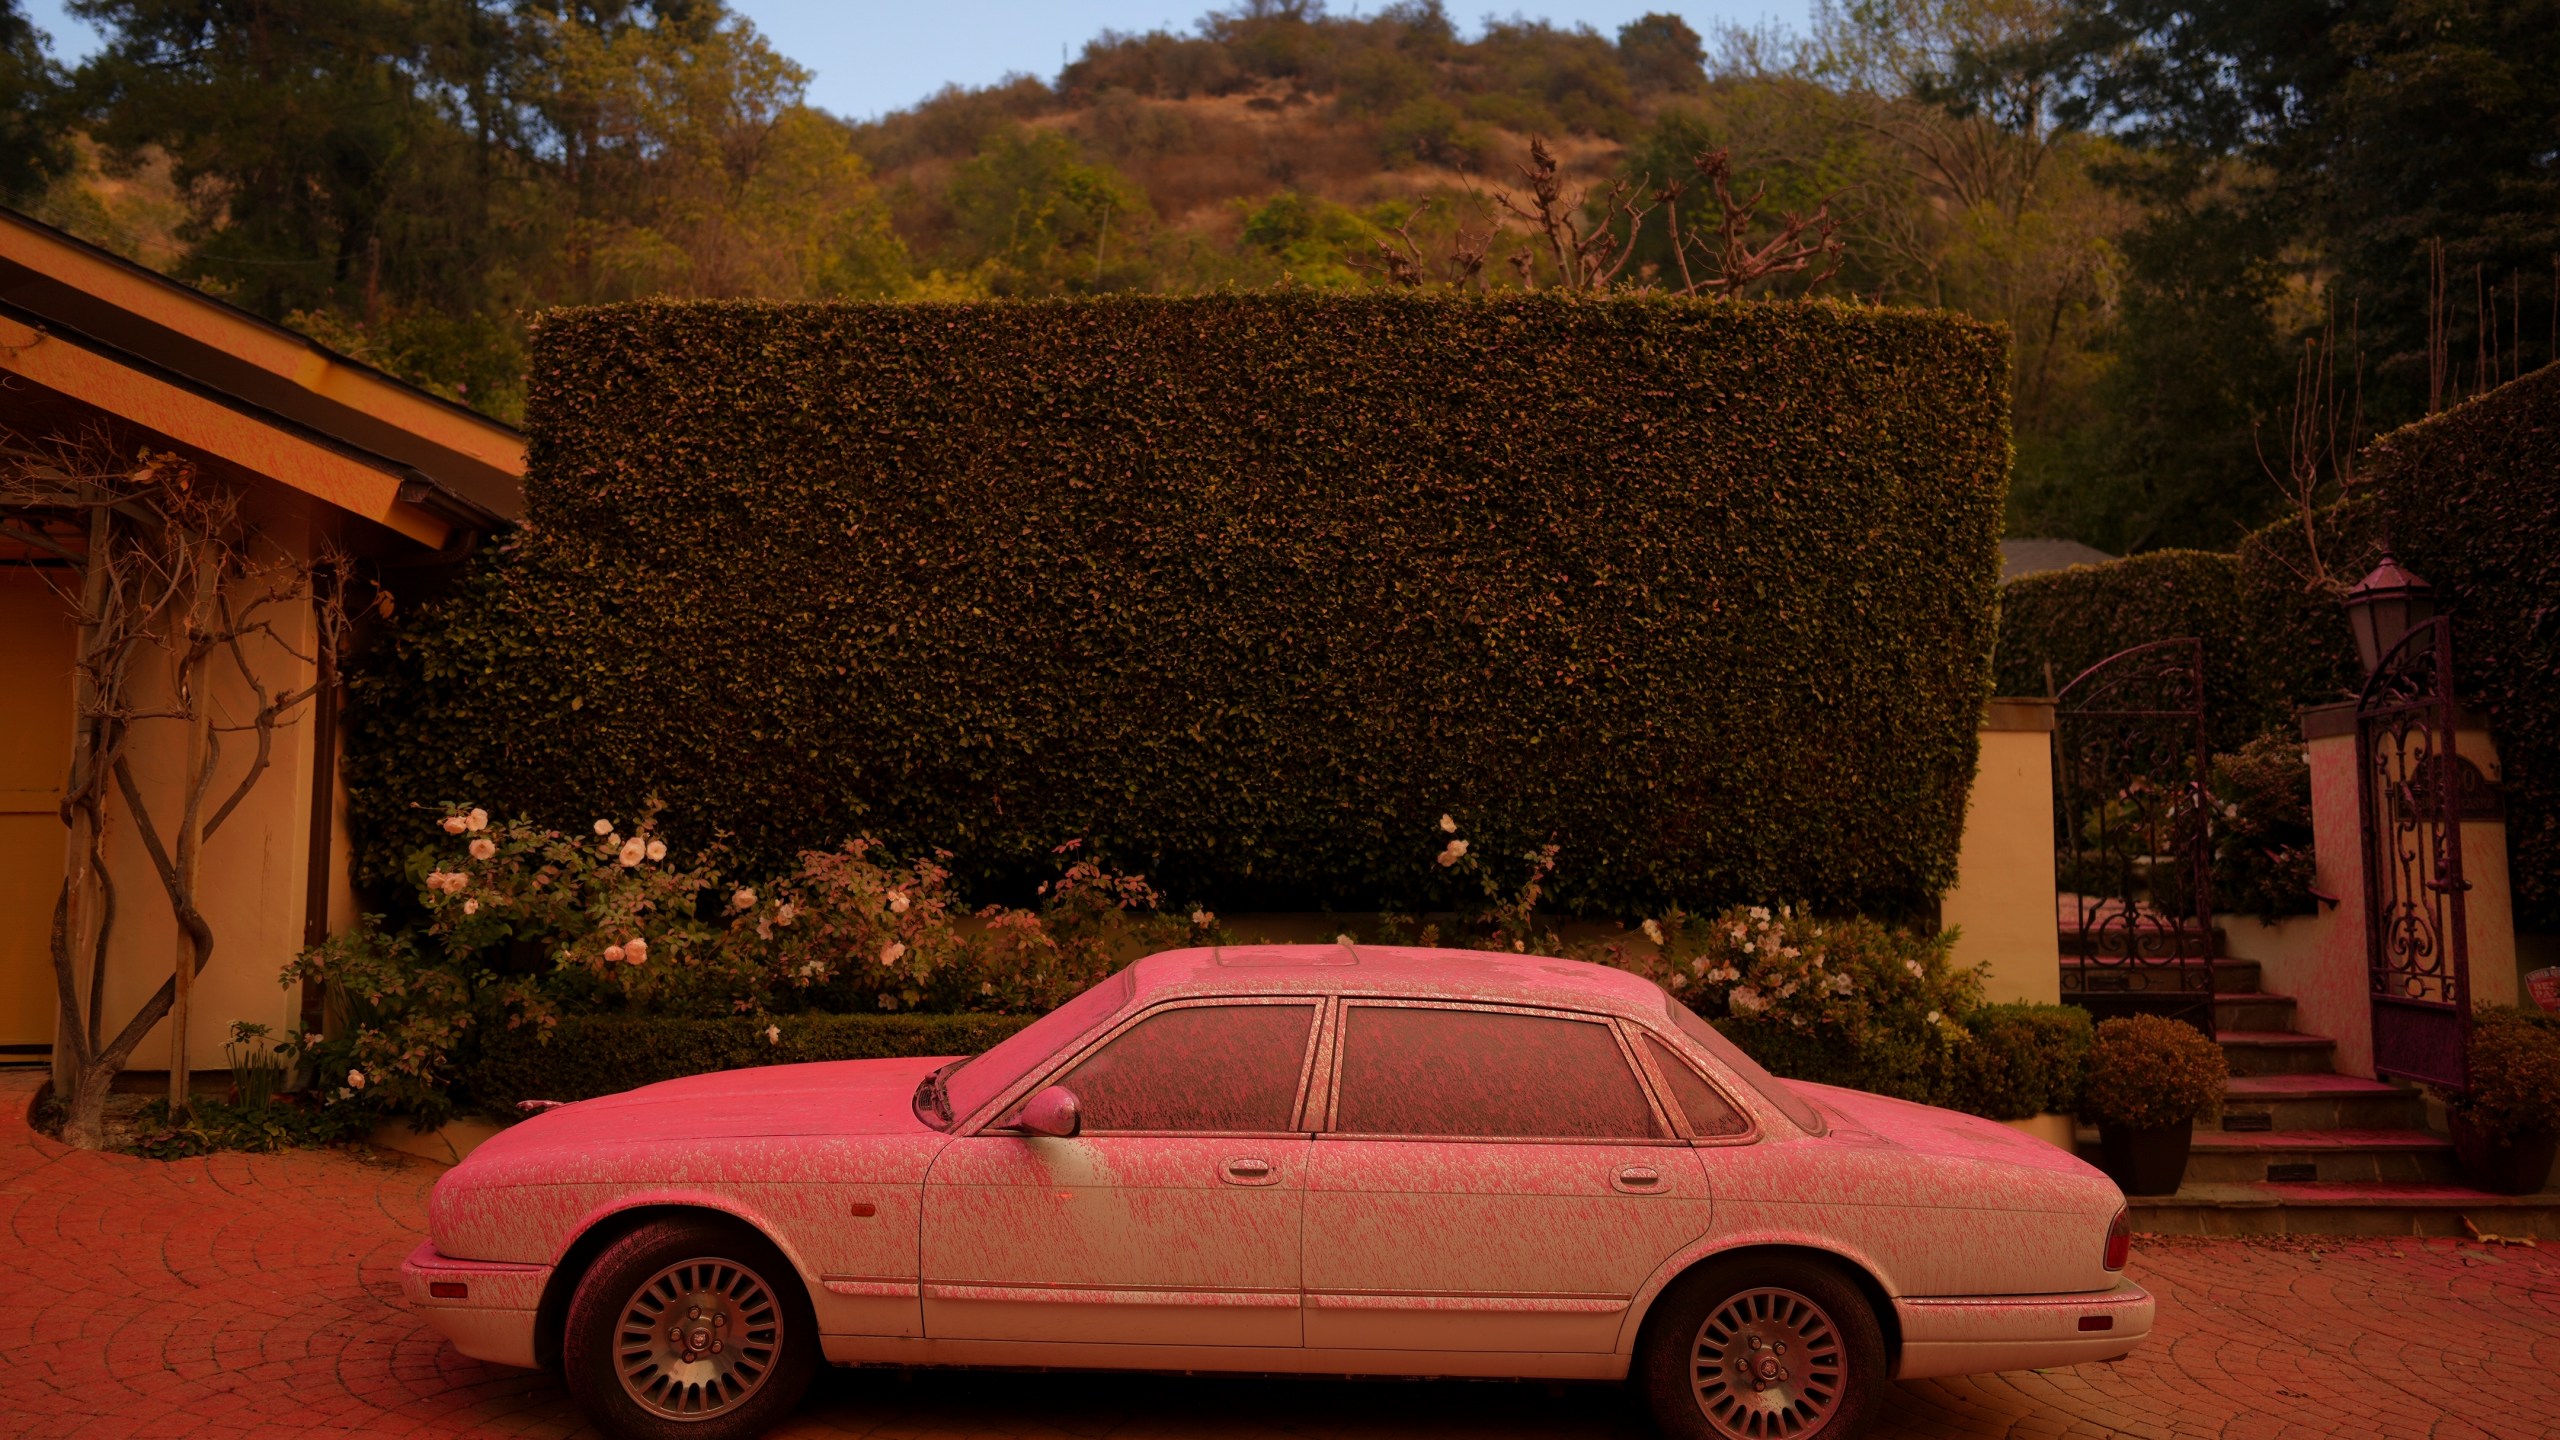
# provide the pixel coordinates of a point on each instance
(1308, 1159)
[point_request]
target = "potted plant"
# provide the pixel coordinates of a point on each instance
(2506, 1130)
(2150, 1079)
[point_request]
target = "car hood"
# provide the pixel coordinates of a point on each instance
(1857, 1116)
(827, 1098)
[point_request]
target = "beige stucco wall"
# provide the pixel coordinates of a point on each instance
(2002, 904)
(2320, 960)
(254, 870)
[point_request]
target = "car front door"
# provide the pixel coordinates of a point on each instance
(1489, 1179)
(1171, 1217)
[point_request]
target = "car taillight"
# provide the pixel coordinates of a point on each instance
(2119, 1240)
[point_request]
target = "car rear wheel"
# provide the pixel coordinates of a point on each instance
(1763, 1349)
(689, 1329)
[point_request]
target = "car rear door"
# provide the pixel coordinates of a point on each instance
(1171, 1218)
(1488, 1178)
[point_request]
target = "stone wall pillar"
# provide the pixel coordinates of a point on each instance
(2326, 973)
(2002, 905)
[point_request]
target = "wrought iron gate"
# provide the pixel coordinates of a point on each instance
(2132, 851)
(2411, 790)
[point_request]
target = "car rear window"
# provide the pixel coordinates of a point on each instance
(984, 1078)
(1418, 1071)
(1778, 1092)
(1195, 1069)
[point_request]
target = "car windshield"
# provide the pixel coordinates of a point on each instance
(1778, 1091)
(959, 1088)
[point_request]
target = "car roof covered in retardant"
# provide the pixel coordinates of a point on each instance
(1402, 971)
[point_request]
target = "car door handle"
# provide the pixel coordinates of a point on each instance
(1638, 1180)
(1245, 1170)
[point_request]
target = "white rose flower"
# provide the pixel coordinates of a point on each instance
(892, 952)
(477, 820)
(1202, 919)
(633, 852)
(1914, 967)
(785, 913)
(773, 1034)
(470, 907)
(1448, 826)
(484, 848)
(355, 1079)
(1760, 913)
(745, 899)
(898, 902)
(613, 954)
(604, 827)
(635, 950)
(1653, 930)
(657, 849)
(1933, 1017)
(454, 824)
(1455, 852)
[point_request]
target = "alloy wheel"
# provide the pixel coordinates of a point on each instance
(697, 1339)
(1767, 1365)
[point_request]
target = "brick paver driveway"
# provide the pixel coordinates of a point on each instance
(258, 1295)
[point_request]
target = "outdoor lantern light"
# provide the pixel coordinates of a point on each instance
(2385, 606)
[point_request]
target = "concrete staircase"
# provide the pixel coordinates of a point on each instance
(2303, 1150)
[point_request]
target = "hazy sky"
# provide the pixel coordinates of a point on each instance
(870, 57)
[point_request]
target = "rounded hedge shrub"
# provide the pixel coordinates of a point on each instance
(2151, 1073)
(2515, 1074)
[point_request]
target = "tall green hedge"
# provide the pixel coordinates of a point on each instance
(2469, 499)
(2056, 624)
(2472, 498)
(1244, 590)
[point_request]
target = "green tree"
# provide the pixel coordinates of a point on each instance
(1032, 216)
(31, 143)
(1661, 53)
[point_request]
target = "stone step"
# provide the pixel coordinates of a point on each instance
(2230, 977)
(2415, 1208)
(2276, 1052)
(2321, 1102)
(2365, 1157)
(2252, 1012)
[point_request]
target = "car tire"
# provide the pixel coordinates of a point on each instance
(689, 1329)
(1756, 1348)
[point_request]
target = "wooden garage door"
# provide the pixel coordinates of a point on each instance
(36, 642)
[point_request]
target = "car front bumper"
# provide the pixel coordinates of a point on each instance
(1978, 1334)
(485, 1309)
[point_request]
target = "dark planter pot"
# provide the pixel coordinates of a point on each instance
(2500, 1165)
(2146, 1161)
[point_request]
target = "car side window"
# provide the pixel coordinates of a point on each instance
(1487, 1073)
(1710, 1114)
(1198, 1068)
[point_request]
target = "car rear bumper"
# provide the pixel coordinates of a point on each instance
(1977, 1334)
(485, 1309)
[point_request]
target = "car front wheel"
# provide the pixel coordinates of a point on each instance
(689, 1329)
(1763, 1349)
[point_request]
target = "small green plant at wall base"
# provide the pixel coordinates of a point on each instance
(2515, 1074)
(257, 1072)
(2263, 863)
(2151, 1073)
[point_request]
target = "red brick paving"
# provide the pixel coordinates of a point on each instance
(257, 1295)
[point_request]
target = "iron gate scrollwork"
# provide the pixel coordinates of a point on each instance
(2412, 791)
(2133, 856)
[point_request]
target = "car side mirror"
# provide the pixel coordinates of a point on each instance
(1053, 1112)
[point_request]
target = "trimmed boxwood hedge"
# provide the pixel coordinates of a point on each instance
(2056, 624)
(591, 1055)
(1244, 590)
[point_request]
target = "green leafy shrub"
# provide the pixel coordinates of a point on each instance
(2263, 860)
(2515, 1073)
(589, 1055)
(1243, 589)
(1841, 1002)
(2147, 1072)
(2021, 1060)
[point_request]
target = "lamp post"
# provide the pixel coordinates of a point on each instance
(2384, 607)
